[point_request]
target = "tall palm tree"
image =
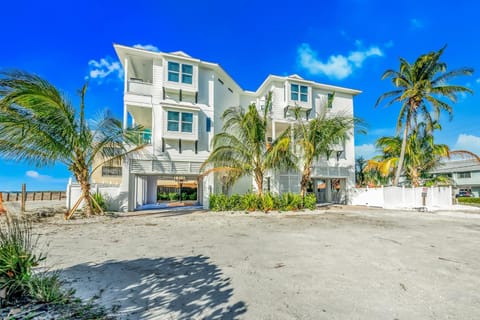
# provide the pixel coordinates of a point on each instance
(422, 91)
(317, 137)
(241, 149)
(39, 125)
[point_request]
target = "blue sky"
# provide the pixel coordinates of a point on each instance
(346, 43)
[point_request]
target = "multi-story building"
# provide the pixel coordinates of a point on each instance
(465, 174)
(179, 101)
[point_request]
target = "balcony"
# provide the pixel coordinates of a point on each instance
(138, 86)
(165, 167)
(331, 172)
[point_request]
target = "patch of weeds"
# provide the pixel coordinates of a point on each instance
(47, 288)
(17, 258)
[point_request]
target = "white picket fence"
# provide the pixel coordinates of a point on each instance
(403, 197)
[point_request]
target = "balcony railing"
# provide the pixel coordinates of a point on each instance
(140, 87)
(164, 167)
(108, 171)
(334, 172)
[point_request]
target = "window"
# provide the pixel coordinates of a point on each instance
(298, 93)
(108, 171)
(187, 122)
(180, 72)
(180, 120)
(464, 175)
(330, 100)
(209, 124)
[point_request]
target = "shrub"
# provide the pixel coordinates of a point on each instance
(162, 196)
(251, 202)
(173, 196)
(17, 258)
(100, 200)
(290, 201)
(218, 202)
(192, 196)
(268, 202)
(46, 288)
(468, 200)
(310, 201)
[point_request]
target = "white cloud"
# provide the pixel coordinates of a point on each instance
(478, 80)
(416, 23)
(104, 68)
(367, 151)
(337, 66)
(149, 47)
(32, 174)
(468, 142)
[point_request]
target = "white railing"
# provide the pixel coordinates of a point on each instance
(164, 167)
(140, 87)
(334, 172)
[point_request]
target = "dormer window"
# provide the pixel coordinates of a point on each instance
(298, 93)
(178, 72)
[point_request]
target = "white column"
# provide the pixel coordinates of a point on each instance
(274, 133)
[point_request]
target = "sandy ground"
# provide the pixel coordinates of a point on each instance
(341, 263)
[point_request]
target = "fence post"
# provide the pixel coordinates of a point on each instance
(24, 197)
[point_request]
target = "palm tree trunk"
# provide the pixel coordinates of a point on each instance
(259, 182)
(85, 187)
(307, 171)
(402, 155)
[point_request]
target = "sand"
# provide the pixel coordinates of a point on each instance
(341, 263)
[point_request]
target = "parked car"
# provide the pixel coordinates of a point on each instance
(463, 194)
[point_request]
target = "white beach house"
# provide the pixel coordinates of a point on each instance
(179, 101)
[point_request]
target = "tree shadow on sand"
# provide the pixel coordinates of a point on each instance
(164, 288)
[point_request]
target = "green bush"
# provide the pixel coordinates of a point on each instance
(290, 201)
(468, 200)
(310, 201)
(162, 196)
(251, 202)
(100, 200)
(44, 288)
(17, 258)
(173, 196)
(266, 202)
(192, 196)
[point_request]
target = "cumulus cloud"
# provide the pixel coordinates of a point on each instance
(149, 47)
(105, 68)
(468, 142)
(367, 151)
(336, 66)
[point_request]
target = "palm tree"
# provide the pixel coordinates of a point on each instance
(241, 149)
(421, 154)
(317, 137)
(422, 90)
(360, 178)
(39, 125)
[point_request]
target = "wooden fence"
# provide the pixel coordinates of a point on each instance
(34, 196)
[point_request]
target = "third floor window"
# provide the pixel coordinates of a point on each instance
(178, 72)
(180, 121)
(298, 93)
